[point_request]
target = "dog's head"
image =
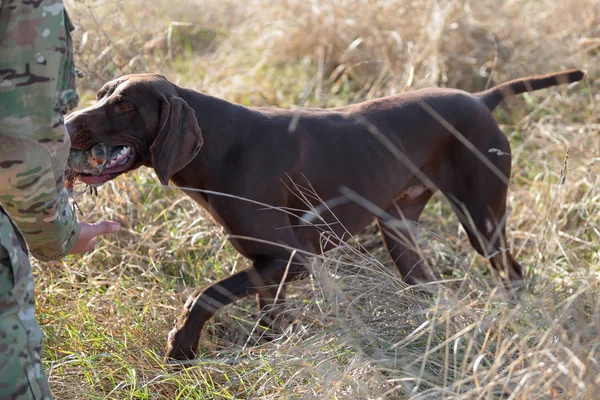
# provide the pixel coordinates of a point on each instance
(138, 119)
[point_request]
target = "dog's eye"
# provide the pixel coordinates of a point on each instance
(123, 107)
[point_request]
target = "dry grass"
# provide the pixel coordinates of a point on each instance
(359, 332)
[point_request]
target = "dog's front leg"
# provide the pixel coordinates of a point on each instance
(266, 271)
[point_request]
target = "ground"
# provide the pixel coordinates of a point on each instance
(359, 331)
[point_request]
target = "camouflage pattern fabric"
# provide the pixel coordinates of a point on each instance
(37, 86)
(21, 340)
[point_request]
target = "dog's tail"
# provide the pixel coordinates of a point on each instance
(493, 96)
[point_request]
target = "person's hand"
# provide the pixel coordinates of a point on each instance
(88, 235)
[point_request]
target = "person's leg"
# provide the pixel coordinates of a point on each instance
(21, 339)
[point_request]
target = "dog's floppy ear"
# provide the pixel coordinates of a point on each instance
(178, 140)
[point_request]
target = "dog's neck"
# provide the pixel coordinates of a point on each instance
(221, 123)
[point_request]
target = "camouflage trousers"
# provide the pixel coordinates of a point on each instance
(21, 372)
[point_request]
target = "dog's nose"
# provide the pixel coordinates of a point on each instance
(99, 156)
(81, 137)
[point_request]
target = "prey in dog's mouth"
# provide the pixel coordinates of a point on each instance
(98, 165)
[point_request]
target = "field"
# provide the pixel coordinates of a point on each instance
(359, 332)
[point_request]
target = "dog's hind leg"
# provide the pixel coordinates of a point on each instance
(398, 233)
(478, 197)
(484, 220)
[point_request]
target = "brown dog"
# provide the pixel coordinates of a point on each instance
(279, 179)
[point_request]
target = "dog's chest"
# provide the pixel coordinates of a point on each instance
(191, 190)
(198, 198)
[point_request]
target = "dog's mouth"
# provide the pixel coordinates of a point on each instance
(101, 164)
